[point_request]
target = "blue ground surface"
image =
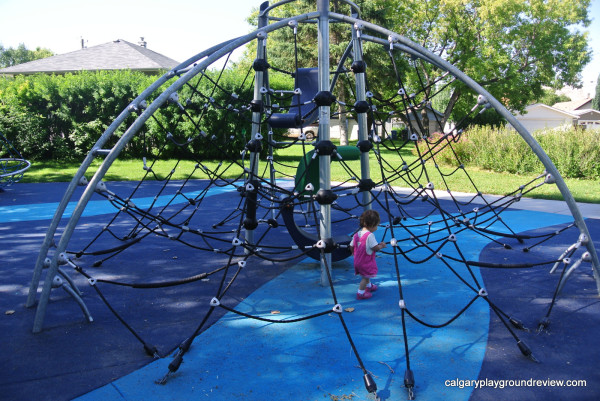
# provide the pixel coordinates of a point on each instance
(238, 358)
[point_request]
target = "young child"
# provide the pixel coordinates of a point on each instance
(363, 247)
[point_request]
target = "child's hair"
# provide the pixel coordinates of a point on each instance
(369, 218)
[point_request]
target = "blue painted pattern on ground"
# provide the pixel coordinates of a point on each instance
(45, 211)
(243, 359)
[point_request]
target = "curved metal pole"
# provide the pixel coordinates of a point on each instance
(533, 144)
(282, 2)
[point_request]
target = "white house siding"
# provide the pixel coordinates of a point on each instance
(352, 127)
(540, 116)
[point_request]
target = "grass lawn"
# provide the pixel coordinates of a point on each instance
(488, 182)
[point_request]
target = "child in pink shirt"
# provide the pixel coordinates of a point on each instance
(363, 247)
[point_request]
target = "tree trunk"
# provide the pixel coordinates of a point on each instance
(343, 118)
(453, 99)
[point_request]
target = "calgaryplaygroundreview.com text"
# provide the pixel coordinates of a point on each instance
(502, 383)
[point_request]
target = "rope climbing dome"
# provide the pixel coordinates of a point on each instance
(282, 217)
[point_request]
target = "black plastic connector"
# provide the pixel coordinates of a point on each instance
(325, 197)
(325, 148)
(358, 66)
(254, 145)
(324, 98)
(151, 350)
(361, 106)
(543, 324)
(370, 384)
(525, 350)
(250, 223)
(257, 106)
(330, 245)
(176, 363)
(517, 324)
(260, 64)
(366, 184)
(364, 145)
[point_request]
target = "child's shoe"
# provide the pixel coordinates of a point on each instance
(372, 288)
(365, 295)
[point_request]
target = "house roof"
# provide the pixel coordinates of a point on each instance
(540, 106)
(574, 105)
(116, 55)
(588, 114)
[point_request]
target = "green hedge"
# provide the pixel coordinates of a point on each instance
(575, 152)
(61, 117)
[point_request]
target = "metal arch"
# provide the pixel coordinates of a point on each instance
(282, 2)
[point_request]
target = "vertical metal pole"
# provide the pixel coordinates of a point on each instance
(262, 21)
(256, 115)
(324, 135)
(361, 95)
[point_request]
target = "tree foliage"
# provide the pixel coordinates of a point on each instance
(61, 117)
(513, 48)
(549, 97)
(11, 56)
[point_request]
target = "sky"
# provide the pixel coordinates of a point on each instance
(177, 29)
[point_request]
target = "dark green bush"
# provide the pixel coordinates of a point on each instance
(61, 117)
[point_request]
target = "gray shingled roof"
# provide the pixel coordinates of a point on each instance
(116, 55)
(571, 106)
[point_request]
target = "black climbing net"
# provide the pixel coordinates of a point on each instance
(215, 168)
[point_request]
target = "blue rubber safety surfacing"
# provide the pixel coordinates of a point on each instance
(43, 211)
(240, 358)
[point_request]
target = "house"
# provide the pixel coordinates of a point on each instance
(115, 55)
(540, 116)
(588, 117)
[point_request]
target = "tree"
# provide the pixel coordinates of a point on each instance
(596, 101)
(513, 48)
(550, 98)
(20, 55)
